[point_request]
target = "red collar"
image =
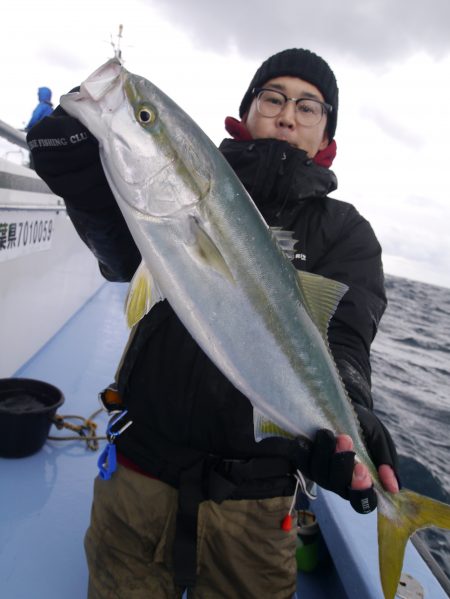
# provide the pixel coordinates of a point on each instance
(239, 132)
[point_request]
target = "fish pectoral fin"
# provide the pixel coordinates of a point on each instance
(208, 252)
(321, 296)
(263, 427)
(412, 512)
(143, 294)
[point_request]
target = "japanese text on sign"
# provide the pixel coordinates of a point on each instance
(25, 232)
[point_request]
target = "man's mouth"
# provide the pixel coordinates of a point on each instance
(285, 138)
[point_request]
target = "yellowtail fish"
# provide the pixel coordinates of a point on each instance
(212, 256)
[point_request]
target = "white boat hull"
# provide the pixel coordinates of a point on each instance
(46, 272)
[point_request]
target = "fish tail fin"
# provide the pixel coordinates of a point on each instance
(398, 519)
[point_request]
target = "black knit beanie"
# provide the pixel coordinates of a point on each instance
(304, 64)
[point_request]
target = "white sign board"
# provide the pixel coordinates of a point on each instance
(25, 232)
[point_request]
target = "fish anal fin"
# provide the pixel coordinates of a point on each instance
(321, 297)
(143, 294)
(263, 427)
(398, 519)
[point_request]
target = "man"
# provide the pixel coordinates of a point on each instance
(43, 109)
(195, 502)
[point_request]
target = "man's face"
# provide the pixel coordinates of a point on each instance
(285, 126)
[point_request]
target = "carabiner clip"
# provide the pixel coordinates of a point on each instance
(107, 462)
(113, 434)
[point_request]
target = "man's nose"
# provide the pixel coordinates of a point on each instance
(286, 117)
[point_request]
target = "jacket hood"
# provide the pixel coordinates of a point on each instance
(44, 94)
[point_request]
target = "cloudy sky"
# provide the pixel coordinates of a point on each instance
(391, 59)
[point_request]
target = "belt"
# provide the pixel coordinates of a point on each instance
(216, 479)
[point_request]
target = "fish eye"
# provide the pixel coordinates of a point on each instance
(146, 115)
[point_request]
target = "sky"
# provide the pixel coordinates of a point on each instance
(391, 60)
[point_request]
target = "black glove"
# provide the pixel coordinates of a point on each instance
(377, 439)
(65, 154)
(333, 471)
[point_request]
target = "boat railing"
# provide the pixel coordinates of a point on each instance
(54, 207)
(13, 135)
(25, 191)
(431, 562)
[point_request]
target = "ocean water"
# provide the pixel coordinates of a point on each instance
(411, 390)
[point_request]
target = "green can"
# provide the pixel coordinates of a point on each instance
(307, 552)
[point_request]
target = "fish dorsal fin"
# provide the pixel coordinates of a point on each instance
(264, 428)
(321, 297)
(285, 240)
(208, 252)
(143, 294)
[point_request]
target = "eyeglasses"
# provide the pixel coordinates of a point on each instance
(271, 103)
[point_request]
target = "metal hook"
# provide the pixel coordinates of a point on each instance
(111, 434)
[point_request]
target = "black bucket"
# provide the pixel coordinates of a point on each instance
(27, 407)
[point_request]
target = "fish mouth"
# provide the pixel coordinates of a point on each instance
(102, 80)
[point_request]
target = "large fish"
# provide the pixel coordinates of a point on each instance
(223, 271)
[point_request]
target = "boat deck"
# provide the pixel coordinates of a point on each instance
(45, 498)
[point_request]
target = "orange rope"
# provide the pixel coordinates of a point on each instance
(85, 432)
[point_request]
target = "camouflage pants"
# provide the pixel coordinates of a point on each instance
(241, 550)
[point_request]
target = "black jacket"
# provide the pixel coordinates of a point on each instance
(180, 402)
